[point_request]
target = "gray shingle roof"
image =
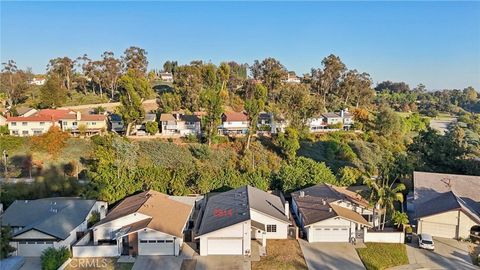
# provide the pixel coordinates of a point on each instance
(53, 216)
(229, 208)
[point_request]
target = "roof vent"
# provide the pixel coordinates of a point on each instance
(302, 194)
(330, 209)
(324, 202)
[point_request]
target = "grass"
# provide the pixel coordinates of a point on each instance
(98, 264)
(281, 254)
(377, 256)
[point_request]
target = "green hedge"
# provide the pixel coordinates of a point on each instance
(53, 258)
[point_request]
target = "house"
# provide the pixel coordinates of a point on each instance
(268, 122)
(446, 205)
(328, 213)
(148, 223)
(38, 81)
(166, 76)
(331, 121)
(69, 121)
(50, 222)
(292, 77)
(141, 129)
(234, 123)
(178, 123)
(116, 123)
(230, 220)
(25, 111)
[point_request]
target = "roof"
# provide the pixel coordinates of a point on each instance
(189, 118)
(235, 117)
(317, 200)
(57, 114)
(166, 215)
(150, 117)
(53, 216)
(464, 190)
(167, 117)
(23, 110)
(232, 207)
(445, 202)
(330, 115)
(93, 117)
(115, 117)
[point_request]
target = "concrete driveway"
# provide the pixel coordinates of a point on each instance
(32, 263)
(448, 254)
(330, 256)
(158, 262)
(213, 262)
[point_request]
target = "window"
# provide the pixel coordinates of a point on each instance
(22, 242)
(64, 123)
(37, 132)
(24, 132)
(14, 124)
(42, 123)
(94, 123)
(168, 241)
(152, 241)
(24, 123)
(15, 132)
(74, 123)
(143, 241)
(271, 228)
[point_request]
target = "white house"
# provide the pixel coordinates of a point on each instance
(325, 122)
(178, 123)
(3, 120)
(328, 213)
(234, 123)
(292, 77)
(231, 220)
(166, 76)
(148, 223)
(446, 205)
(38, 81)
(50, 222)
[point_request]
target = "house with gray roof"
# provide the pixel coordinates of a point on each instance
(328, 213)
(179, 123)
(231, 220)
(49, 222)
(446, 205)
(328, 121)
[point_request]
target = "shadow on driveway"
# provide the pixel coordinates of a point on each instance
(334, 256)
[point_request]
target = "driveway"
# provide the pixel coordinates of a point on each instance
(448, 254)
(158, 262)
(213, 262)
(32, 263)
(330, 256)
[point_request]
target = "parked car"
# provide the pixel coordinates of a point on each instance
(425, 241)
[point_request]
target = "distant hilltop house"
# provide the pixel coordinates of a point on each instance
(166, 76)
(292, 77)
(331, 121)
(38, 81)
(69, 121)
(179, 123)
(234, 123)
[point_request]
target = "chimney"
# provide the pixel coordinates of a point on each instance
(330, 209)
(302, 194)
(79, 116)
(342, 113)
(287, 209)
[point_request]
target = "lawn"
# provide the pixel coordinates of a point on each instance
(378, 256)
(98, 264)
(281, 254)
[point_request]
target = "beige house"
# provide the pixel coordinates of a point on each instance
(69, 121)
(446, 205)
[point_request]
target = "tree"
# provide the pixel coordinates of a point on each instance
(170, 66)
(297, 104)
(255, 104)
(53, 258)
(213, 105)
(400, 219)
(62, 67)
(135, 60)
(151, 127)
(271, 72)
(396, 87)
(51, 142)
(289, 142)
(5, 247)
(348, 176)
(71, 168)
(133, 89)
(326, 80)
(53, 94)
(188, 85)
(111, 71)
(387, 122)
(14, 82)
(168, 102)
(302, 172)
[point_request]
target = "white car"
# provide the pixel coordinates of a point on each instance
(425, 241)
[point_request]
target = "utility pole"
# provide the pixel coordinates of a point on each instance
(5, 156)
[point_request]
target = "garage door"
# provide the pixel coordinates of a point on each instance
(156, 247)
(439, 229)
(221, 246)
(32, 248)
(331, 234)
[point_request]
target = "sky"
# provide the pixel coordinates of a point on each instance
(434, 43)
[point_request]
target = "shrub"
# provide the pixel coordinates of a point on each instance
(53, 258)
(151, 128)
(4, 130)
(94, 218)
(5, 248)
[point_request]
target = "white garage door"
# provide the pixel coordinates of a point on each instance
(439, 229)
(32, 248)
(331, 234)
(156, 247)
(220, 246)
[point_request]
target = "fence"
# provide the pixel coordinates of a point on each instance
(383, 237)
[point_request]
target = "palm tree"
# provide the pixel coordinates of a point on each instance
(383, 194)
(400, 219)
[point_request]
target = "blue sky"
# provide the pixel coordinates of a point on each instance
(435, 43)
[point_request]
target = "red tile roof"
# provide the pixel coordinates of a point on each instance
(35, 118)
(93, 117)
(235, 116)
